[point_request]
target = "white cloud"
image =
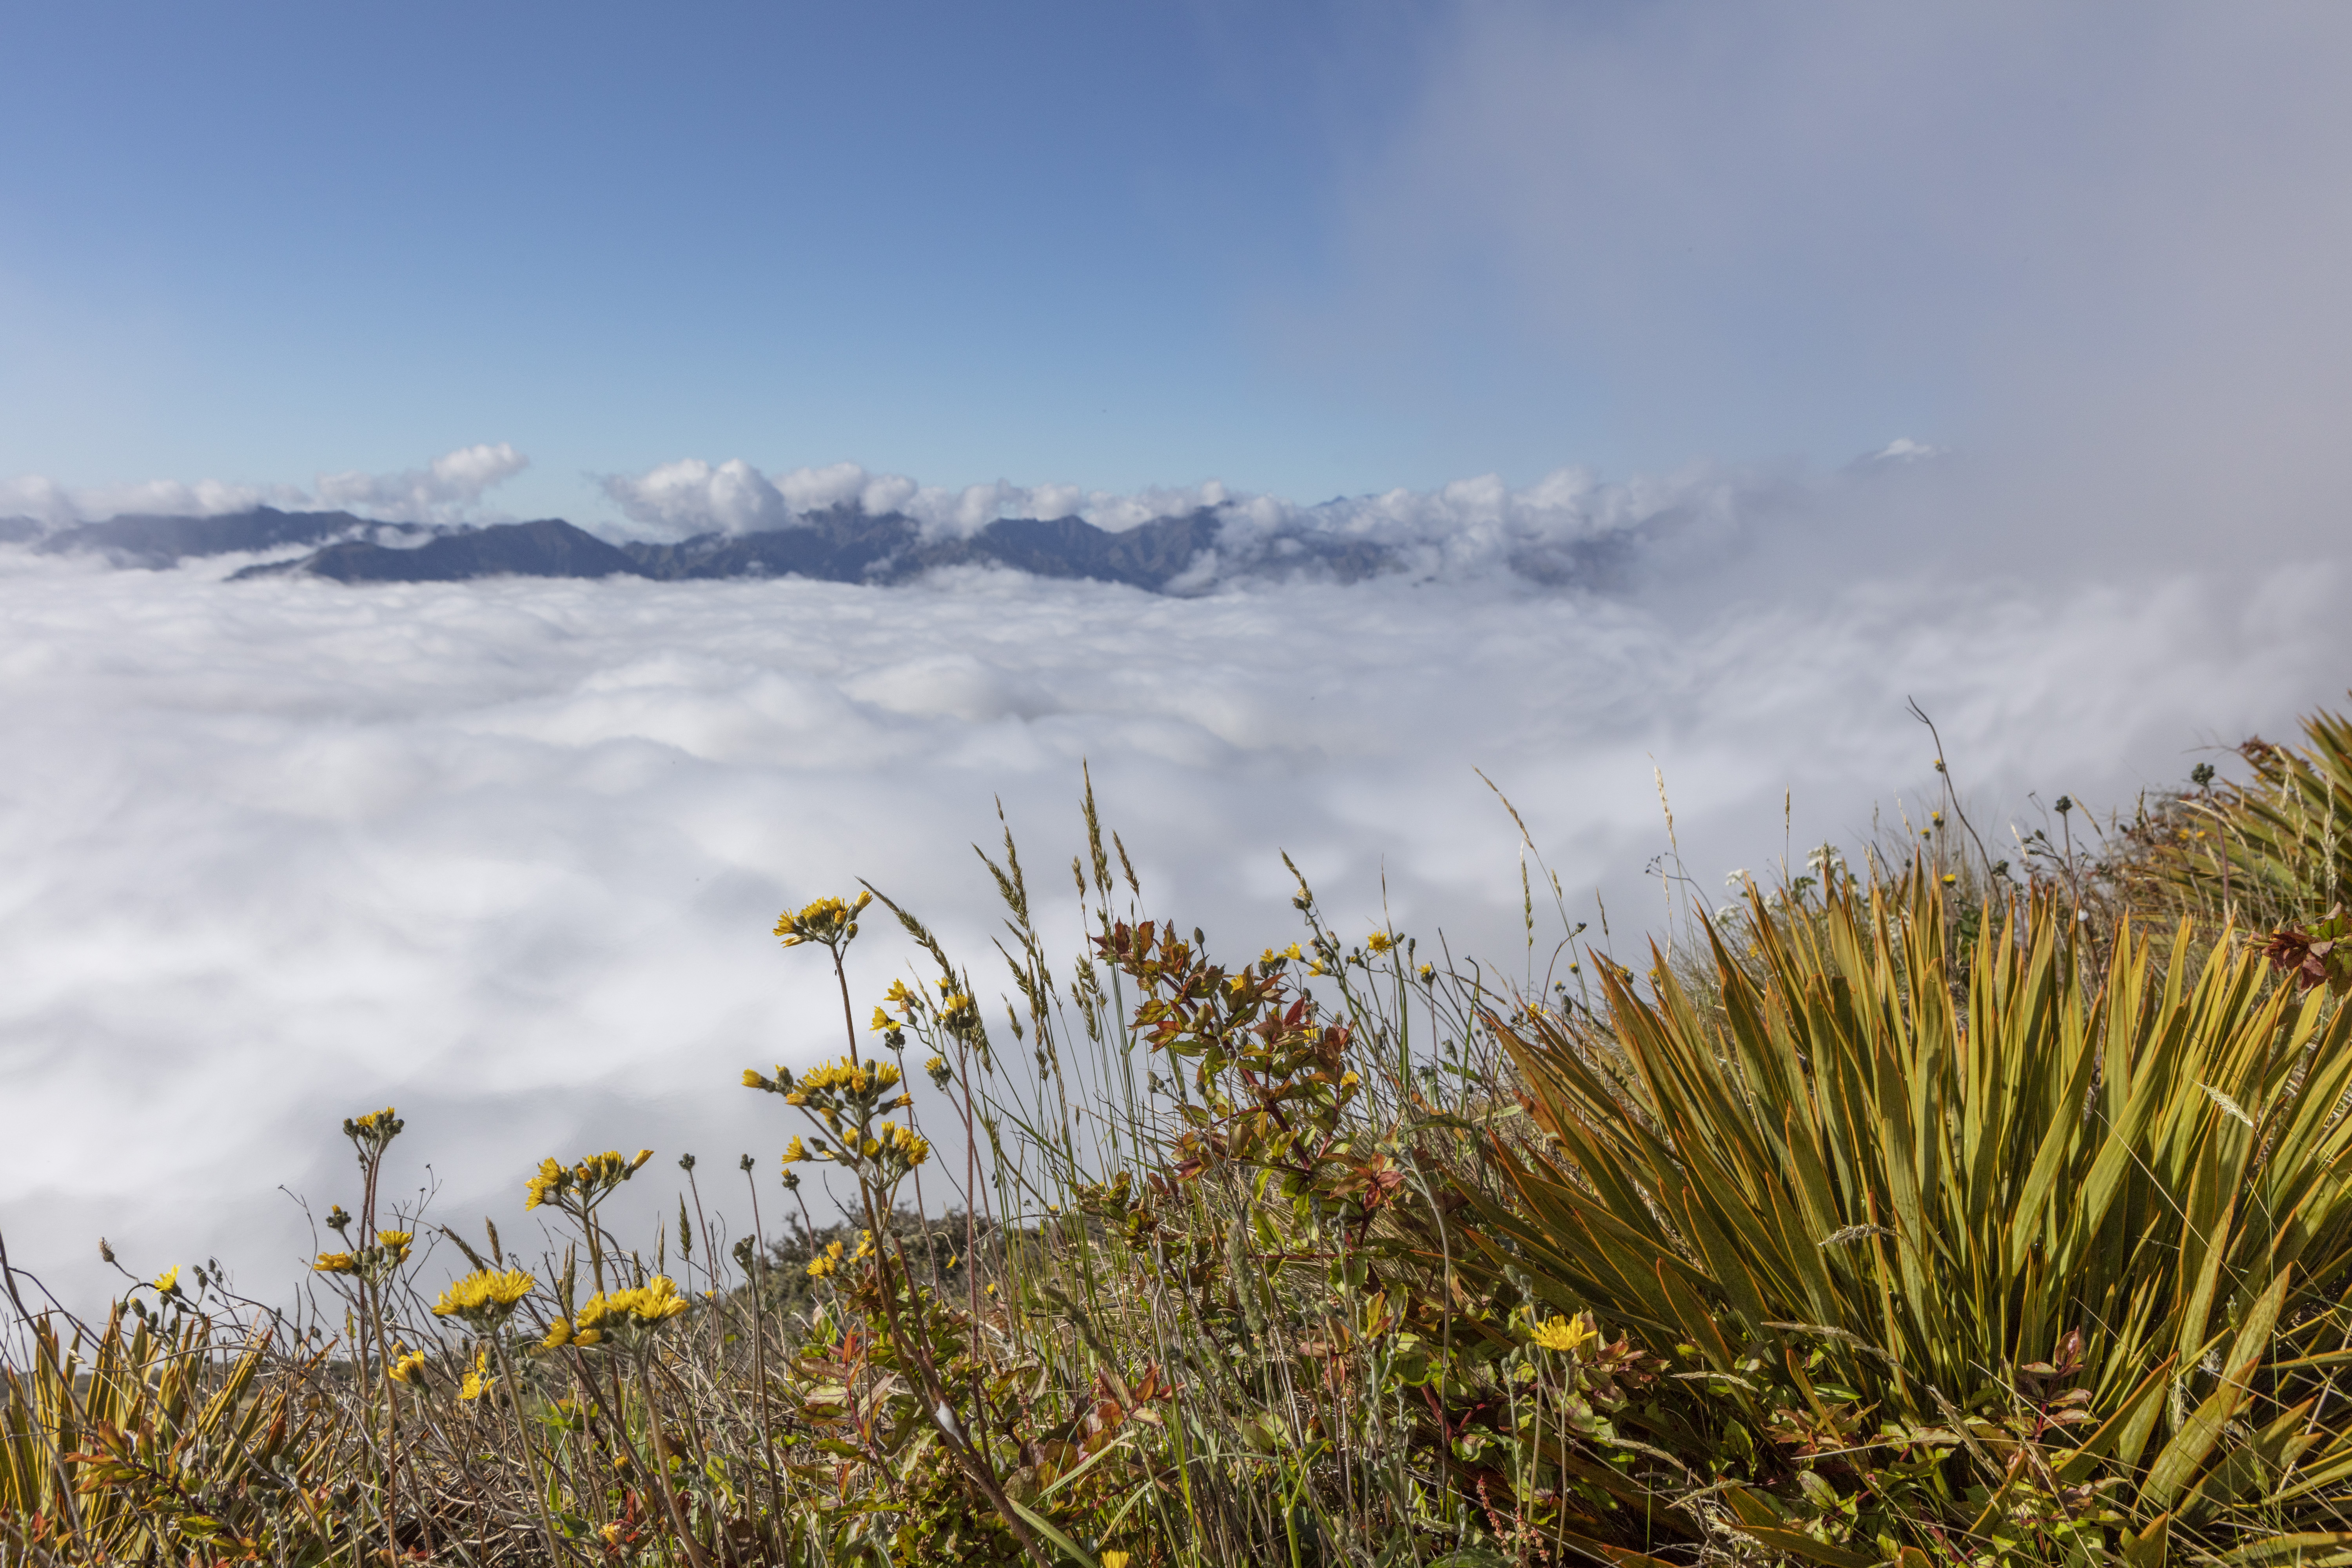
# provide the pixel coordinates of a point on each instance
(447, 491)
(1471, 527)
(58, 506)
(505, 853)
(443, 493)
(692, 497)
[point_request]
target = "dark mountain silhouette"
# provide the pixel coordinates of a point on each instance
(548, 548)
(838, 545)
(138, 540)
(842, 544)
(1147, 555)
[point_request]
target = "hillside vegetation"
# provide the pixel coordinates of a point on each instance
(1923, 1208)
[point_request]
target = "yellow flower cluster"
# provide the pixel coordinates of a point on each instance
(959, 1015)
(375, 1129)
(842, 1097)
(889, 1143)
(390, 1251)
(590, 1179)
(485, 1296)
(648, 1306)
(901, 1144)
(828, 923)
(857, 1080)
(832, 1260)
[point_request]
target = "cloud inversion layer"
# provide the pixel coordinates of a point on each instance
(505, 853)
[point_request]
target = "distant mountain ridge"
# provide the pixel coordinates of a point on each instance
(1600, 544)
(841, 545)
(141, 540)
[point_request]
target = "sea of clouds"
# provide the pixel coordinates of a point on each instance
(506, 853)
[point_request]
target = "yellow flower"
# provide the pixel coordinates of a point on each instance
(593, 1177)
(655, 1301)
(794, 1152)
(478, 1381)
(485, 1296)
(549, 1180)
(904, 1145)
(1380, 941)
(1568, 1334)
(829, 921)
(408, 1368)
(168, 1282)
(1113, 1559)
(335, 1263)
(377, 1127)
(559, 1334)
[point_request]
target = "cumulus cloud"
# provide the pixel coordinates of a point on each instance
(442, 492)
(1549, 531)
(505, 853)
(693, 496)
(445, 490)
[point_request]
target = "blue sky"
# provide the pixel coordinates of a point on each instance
(1307, 250)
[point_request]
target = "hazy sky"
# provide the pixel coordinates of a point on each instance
(1307, 250)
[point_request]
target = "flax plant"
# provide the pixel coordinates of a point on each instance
(2009, 1263)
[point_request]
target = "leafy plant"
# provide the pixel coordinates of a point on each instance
(1994, 1266)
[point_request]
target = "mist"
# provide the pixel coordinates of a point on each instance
(505, 853)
